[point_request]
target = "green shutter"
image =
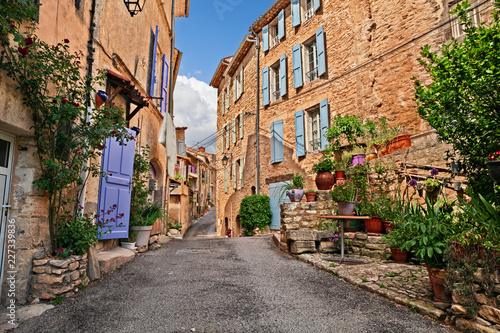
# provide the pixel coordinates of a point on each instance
(242, 166)
(223, 103)
(234, 175)
(233, 130)
(227, 136)
(225, 179)
(241, 125)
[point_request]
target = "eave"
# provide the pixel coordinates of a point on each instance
(239, 56)
(219, 72)
(269, 15)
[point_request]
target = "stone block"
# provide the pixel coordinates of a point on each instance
(58, 291)
(286, 220)
(73, 265)
(74, 275)
(490, 313)
(312, 212)
(67, 278)
(152, 240)
(297, 247)
(58, 271)
(483, 322)
(458, 309)
(41, 269)
(357, 243)
(323, 234)
(93, 268)
(49, 279)
(60, 263)
(110, 260)
(40, 262)
(361, 236)
(300, 235)
(326, 247)
(478, 276)
(375, 240)
(38, 286)
(375, 246)
(297, 219)
(482, 299)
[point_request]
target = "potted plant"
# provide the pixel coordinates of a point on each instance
(340, 164)
(358, 155)
(431, 228)
(344, 195)
(310, 195)
(143, 225)
(295, 190)
(323, 169)
(494, 166)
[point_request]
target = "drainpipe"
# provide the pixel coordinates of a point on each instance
(88, 114)
(257, 143)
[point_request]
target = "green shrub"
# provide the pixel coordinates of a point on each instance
(255, 212)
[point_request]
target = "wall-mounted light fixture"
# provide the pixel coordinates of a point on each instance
(134, 6)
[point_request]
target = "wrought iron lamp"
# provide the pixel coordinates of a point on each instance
(134, 6)
(226, 159)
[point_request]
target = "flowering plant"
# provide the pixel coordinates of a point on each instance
(412, 182)
(495, 156)
(77, 233)
(344, 192)
(337, 240)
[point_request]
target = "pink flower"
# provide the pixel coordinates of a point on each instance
(64, 100)
(75, 104)
(23, 51)
(131, 137)
(61, 249)
(28, 41)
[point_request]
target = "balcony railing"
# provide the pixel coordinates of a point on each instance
(309, 13)
(315, 144)
(277, 95)
(312, 74)
(275, 41)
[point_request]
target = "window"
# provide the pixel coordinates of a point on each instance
(309, 9)
(242, 165)
(275, 39)
(314, 59)
(226, 128)
(238, 85)
(311, 60)
(227, 97)
(457, 29)
(273, 32)
(275, 81)
(313, 130)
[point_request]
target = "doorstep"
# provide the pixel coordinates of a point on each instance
(110, 260)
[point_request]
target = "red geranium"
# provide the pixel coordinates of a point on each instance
(23, 51)
(494, 156)
(28, 41)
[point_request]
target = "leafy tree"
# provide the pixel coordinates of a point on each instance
(463, 101)
(255, 212)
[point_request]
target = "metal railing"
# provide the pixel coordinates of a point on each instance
(277, 94)
(312, 74)
(315, 144)
(309, 13)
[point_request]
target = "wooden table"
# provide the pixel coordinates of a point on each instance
(343, 217)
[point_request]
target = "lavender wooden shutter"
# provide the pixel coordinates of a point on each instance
(116, 186)
(153, 67)
(164, 85)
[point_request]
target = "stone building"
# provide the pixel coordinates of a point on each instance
(318, 59)
(202, 173)
(139, 65)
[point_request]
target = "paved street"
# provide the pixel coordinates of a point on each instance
(224, 285)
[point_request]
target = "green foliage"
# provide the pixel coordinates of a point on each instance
(402, 232)
(462, 102)
(177, 226)
(345, 192)
(255, 212)
(58, 300)
(149, 214)
(333, 265)
(431, 228)
(345, 130)
(140, 185)
(48, 76)
(324, 165)
(298, 180)
(431, 183)
(364, 280)
(359, 177)
(390, 274)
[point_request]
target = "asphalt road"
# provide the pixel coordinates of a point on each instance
(202, 284)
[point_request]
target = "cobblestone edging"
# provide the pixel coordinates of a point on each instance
(409, 285)
(52, 278)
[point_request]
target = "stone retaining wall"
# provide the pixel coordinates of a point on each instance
(299, 230)
(52, 278)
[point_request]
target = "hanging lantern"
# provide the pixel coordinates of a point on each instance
(134, 6)
(100, 98)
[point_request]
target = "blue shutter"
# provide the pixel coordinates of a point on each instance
(153, 68)
(278, 142)
(265, 86)
(295, 13)
(317, 4)
(300, 140)
(164, 86)
(320, 44)
(297, 66)
(283, 74)
(323, 119)
(265, 38)
(271, 130)
(281, 24)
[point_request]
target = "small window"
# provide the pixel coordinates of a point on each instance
(275, 81)
(274, 33)
(227, 97)
(311, 60)
(308, 9)
(457, 29)
(314, 129)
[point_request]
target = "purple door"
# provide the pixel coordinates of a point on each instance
(116, 186)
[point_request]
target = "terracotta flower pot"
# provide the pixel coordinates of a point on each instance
(339, 174)
(437, 277)
(346, 208)
(325, 181)
(399, 256)
(374, 225)
(399, 142)
(310, 197)
(388, 226)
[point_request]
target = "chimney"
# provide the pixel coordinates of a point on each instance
(202, 149)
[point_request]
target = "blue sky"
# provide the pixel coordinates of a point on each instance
(213, 30)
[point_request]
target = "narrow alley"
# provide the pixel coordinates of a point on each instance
(202, 284)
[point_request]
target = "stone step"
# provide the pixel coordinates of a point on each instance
(112, 259)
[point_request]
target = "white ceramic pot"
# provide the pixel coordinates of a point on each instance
(142, 235)
(129, 245)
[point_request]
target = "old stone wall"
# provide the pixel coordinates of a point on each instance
(52, 278)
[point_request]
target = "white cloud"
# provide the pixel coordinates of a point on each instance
(195, 106)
